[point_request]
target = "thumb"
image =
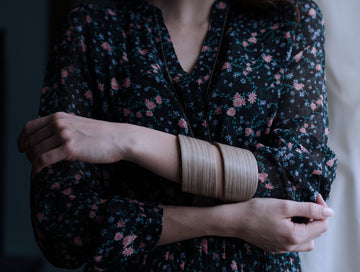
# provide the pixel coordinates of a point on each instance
(320, 200)
(308, 210)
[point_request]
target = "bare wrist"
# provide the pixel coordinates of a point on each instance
(231, 219)
(126, 138)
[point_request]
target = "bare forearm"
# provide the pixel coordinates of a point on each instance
(183, 223)
(158, 152)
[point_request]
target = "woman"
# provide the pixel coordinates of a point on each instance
(106, 169)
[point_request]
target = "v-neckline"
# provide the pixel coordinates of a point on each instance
(215, 22)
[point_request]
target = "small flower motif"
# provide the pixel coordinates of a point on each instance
(267, 58)
(128, 251)
(121, 224)
(128, 240)
(248, 132)
(118, 236)
(89, 95)
(149, 113)
(312, 13)
(298, 86)
(127, 83)
(218, 110)
(150, 104)
(226, 65)
(142, 51)
(234, 266)
(158, 99)
(231, 111)
(205, 48)
(126, 112)
(317, 172)
(326, 131)
(263, 177)
(182, 123)
(252, 97)
(275, 26)
(101, 87)
(106, 46)
(222, 5)
(298, 56)
(252, 40)
(112, 13)
(114, 84)
(331, 162)
(269, 186)
(97, 258)
(64, 73)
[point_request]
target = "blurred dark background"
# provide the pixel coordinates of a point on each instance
(27, 31)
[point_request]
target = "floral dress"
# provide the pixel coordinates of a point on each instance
(267, 95)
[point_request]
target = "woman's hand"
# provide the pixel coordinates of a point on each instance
(266, 223)
(62, 136)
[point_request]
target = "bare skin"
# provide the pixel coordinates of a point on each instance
(265, 223)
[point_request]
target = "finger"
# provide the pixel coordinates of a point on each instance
(320, 200)
(50, 157)
(309, 246)
(307, 209)
(39, 136)
(48, 144)
(311, 230)
(30, 128)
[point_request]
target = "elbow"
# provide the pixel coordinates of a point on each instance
(60, 242)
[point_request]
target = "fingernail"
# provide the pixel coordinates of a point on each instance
(327, 212)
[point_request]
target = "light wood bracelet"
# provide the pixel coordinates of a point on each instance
(198, 166)
(240, 173)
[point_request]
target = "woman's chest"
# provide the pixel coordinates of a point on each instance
(235, 108)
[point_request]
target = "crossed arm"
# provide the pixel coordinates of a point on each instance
(265, 223)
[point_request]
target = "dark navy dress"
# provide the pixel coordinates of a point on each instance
(267, 95)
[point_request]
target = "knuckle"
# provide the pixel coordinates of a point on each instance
(69, 149)
(65, 134)
(59, 115)
(285, 208)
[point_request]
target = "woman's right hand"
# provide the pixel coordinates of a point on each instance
(266, 223)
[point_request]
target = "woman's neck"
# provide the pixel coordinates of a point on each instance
(185, 12)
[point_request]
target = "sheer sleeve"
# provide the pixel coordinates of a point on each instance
(294, 160)
(74, 220)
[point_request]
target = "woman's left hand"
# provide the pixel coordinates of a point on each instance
(63, 136)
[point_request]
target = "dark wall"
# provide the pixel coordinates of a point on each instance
(26, 26)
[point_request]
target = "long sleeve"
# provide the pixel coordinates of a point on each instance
(294, 160)
(75, 219)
